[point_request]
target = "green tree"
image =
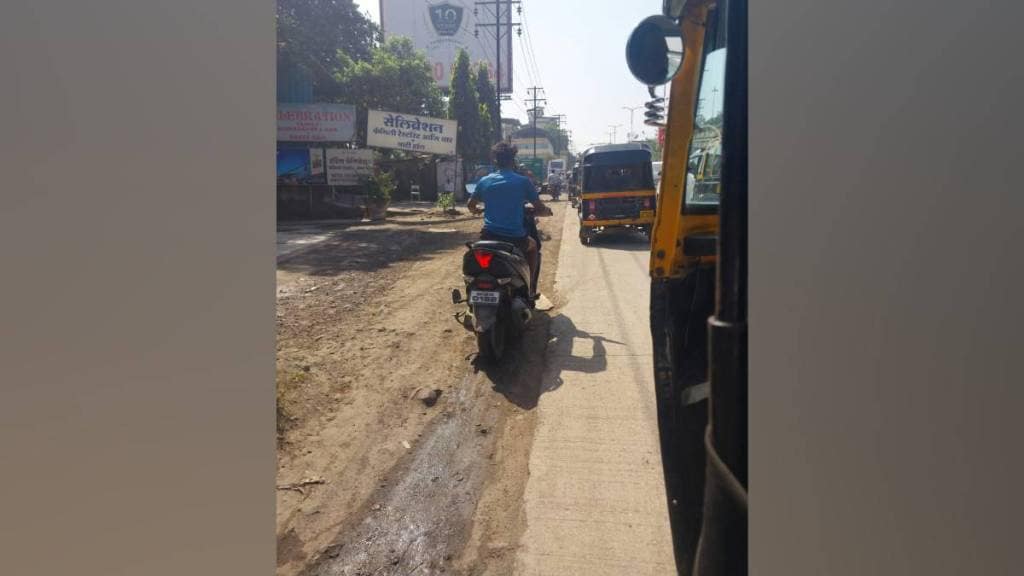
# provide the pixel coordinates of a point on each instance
(312, 34)
(396, 78)
(655, 149)
(464, 107)
(490, 117)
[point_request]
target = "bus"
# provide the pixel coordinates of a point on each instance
(557, 165)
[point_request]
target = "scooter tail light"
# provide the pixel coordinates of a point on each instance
(483, 258)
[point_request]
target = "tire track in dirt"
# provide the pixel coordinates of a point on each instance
(451, 501)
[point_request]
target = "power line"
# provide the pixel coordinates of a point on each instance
(559, 119)
(526, 62)
(535, 89)
(497, 41)
(525, 45)
(532, 52)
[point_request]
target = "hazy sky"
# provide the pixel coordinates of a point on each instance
(580, 51)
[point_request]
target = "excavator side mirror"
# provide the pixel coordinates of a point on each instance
(654, 51)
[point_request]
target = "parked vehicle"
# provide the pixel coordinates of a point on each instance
(574, 186)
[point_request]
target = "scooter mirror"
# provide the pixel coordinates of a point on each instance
(654, 51)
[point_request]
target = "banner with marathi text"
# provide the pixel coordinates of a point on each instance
(347, 167)
(315, 122)
(411, 133)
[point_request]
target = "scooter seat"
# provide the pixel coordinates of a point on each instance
(498, 245)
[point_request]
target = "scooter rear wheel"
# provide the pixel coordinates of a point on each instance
(491, 344)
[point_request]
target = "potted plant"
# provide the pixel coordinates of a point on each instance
(446, 204)
(379, 188)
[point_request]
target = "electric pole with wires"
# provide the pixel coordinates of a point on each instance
(498, 33)
(535, 110)
(559, 119)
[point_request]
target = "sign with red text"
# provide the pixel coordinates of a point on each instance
(411, 133)
(316, 122)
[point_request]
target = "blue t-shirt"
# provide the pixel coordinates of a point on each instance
(503, 194)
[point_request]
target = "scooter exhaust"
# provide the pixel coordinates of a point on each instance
(522, 312)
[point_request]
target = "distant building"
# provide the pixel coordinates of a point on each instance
(509, 126)
(524, 140)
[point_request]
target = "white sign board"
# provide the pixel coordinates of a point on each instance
(316, 122)
(411, 133)
(348, 167)
(442, 27)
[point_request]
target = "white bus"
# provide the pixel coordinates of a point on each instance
(557, 165)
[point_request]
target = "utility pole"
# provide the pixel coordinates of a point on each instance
(497, 40)
(631, 135)
(615, 128)
(535, 100)
(559, 118)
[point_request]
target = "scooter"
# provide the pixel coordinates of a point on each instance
(500, 290)
(555, 191)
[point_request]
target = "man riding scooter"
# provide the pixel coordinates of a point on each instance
(554, 185)
(504, 194)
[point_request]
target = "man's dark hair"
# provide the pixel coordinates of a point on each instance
(504, 154)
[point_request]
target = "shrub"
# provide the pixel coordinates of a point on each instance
(446, 202)
(379, 187)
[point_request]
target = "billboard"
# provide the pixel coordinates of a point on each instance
(316, 122)
(411, 133)
(441, 27)
(346, 167)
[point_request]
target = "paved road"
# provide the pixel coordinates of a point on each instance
(595, 499)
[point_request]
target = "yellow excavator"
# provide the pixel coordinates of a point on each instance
(698, 267)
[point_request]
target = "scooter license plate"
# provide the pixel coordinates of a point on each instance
(481, 297)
